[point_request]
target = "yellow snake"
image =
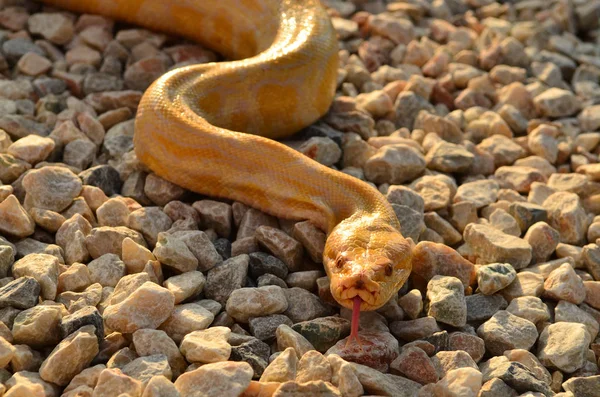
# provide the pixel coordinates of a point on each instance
(282, 79)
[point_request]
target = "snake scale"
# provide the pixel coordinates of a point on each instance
(211, 127)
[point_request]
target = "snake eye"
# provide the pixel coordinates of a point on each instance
(339, 262)
(389, 269)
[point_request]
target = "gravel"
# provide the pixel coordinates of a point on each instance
(479, 121)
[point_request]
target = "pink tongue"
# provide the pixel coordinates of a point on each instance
(355, 316)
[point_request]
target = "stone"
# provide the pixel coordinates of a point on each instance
(185, 319)
(159, 386)
(149, 342)
(283, 368)
(414, 364)
(43, 268)
(530, 308)
(377, 383)
(414, 329)
(571, 313)
(482, 307)
(244, 303)
(174, 253)
(201, 246)
(471, 344)
(147, 307)
(377, 350)
(104, 177)
(564, 346)
(480, 193)
(543, 240)
(564, 284)
(88, 315)
(432, 259)
(38, 326)
(113, 382)
(21, 293)
(280, 245)
(135, 256)
(323, 332)
(567, 216)
(556, 102)
(224, 378)
(287, 337)
(519, 377)
(505, 331)
(55, 27)
(448, 157)
(412, 303)
(145, 368)
(313, 366)
(494, 277)
(254, 352)
(7, 351)
(207, 346)
(150, 221)
(106, 270)
(303, 305)
(447, 301)
(109, 240)
(70, 357)
(52, 188)
(583, 386)
(394, 164)
(14, 220)
(32, 148)
(530, 361)
(492, 245)
(226, 277)
(28, 383)
(262, 263)
(459, 382)
(185, 285)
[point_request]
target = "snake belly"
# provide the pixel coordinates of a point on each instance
(210, 128)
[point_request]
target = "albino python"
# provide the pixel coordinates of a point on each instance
(282, 79)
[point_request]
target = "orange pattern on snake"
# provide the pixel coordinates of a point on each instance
(282, 79)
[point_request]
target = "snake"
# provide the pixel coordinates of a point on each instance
(214, 128)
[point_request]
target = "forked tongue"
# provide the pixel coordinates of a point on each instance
(355, 321)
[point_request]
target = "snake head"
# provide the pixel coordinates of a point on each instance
(366, 257)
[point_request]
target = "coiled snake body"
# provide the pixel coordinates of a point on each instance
(282, 79)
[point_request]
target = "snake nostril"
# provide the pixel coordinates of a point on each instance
(360, 284)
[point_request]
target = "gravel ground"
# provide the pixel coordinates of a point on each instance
(479, 121)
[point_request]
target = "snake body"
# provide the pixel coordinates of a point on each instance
(210, 128)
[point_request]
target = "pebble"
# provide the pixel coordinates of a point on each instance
(505, 331)
(287, 337)
(492, 245)
(70, 357)
(482, 307)
(312, 367)
(14, 219)
(38, 326)
(564, 345)
(244, 303)
(394, 164)
(186, 318)
(283, 368)
(323, 332)
(571, 313)
(566, 214)
(32, 148)
(432, 259)
(564, 284)
(112, 379)
(280, 245)
(494, 277)
(51, 188)
(447, 301)
(414, 329)
(148, 342)
(556, 102)
(414, 364)
(377, 350)
(147, 307)
(21, 293)
(226, 277)
(304, 305)
(185, 285)
(480, 193)
(109, 240)
(377, 383)
(207, 346)
(543, 240)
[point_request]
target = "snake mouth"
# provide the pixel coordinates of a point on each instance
(368, 292)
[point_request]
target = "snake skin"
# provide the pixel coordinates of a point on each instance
(282, 78)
